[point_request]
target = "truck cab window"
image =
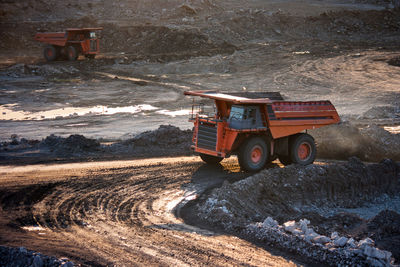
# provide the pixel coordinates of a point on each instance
(237, 113)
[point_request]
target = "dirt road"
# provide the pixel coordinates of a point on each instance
(120, 213)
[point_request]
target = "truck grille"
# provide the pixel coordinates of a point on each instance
(93, 45)
(207, 136)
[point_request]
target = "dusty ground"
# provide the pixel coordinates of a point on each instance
(126, 213)
(120, 213)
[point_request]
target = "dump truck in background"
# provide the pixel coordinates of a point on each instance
(258, 127)
(70, 44)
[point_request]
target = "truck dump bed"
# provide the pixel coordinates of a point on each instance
(283, 118)
(286, 118)
(54, 38)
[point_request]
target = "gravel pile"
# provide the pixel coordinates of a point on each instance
(21, 70)
(166, 140)
(23, 257)
(296, 192)
(164, 136)
(335, 250)
(74, 144)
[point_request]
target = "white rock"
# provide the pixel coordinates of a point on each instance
(366, 242)
(270, 222)
(377, 253)
(297, 232)
(309, 235)
(290, 226)
(310, 231)
(304, 224)
(340, 242)
(351, 243)
(334, 235)
(375, 262)
(321, 239)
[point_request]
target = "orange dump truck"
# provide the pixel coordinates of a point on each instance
(70, 44)
(258, 127)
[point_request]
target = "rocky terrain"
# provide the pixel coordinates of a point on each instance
(309, 210)
(128, 104)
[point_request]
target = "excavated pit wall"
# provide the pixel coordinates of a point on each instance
(291, 193)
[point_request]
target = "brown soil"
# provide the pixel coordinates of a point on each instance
(119, 213)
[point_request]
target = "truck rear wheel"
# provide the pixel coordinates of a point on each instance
(50, 53)
(72, 53)
(302, 149)
(253, 154)
(210, 159)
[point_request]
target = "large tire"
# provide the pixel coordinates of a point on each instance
(209, 159)
(302, 149)
(72, 53)
(253, 154)
(50, 53)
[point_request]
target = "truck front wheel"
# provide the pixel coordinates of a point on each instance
(302, 149)
(210, 159)
(50, 53)
(253, 154)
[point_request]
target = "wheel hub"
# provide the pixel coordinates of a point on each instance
(304, 151)
(256, 154)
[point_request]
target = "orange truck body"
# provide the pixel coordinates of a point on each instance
(276, 123)
(82, 40)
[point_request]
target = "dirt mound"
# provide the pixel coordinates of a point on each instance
(285, 193)
(328, 26)
(158, 40)
(23, 257)
(166, 140)
(344, 140)
(384, 228)
(187, 34)
(74, 144)
(21, 70)
(382, 112)
(301, 192)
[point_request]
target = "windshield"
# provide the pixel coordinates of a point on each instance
(237, 113)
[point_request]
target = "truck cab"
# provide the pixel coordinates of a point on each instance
(245, 117)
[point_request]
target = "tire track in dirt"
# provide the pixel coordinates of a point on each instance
(124, 214)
